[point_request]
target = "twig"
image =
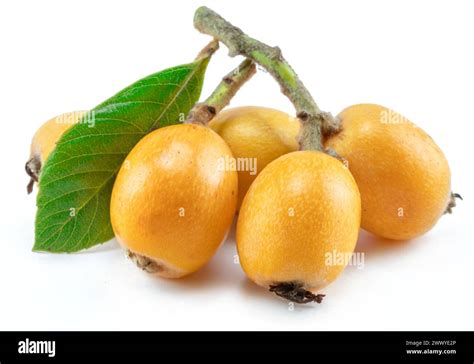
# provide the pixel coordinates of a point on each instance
(203, 112)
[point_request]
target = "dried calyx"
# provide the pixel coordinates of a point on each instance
(452, 202)
(32, 168)
(294, 291)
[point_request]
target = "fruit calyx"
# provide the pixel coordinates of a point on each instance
(32, 168)
(452, 202)
(294, 292)
(145, 263)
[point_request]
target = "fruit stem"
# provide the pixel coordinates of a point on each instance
(314, 122)
(294, 291)
(204, 112)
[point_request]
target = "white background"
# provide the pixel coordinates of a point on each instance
(413, 56)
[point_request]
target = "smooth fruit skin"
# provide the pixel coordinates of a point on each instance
(45, 138)
(258, 133)
(303, 209)
(403, 176)
(172, 201)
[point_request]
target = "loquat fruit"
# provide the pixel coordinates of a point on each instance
(403, 176)
(301, 211)
(172, 205)
(256, 136)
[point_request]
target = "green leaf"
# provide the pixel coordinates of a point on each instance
(76, 181)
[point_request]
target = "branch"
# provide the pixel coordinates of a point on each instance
(314, 122)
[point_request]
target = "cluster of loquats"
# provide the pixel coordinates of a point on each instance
(319, 179)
